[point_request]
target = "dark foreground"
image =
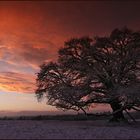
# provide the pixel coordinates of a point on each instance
(51, 129)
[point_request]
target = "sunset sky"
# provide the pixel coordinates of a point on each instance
(31, 32)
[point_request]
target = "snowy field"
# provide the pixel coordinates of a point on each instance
(50, 129)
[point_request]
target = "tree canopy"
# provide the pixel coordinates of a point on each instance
(94, 70)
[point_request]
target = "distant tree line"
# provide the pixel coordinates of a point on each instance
(94, 70)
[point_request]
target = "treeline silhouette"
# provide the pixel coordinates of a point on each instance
(69, 117)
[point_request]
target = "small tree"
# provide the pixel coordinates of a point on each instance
(94, 71)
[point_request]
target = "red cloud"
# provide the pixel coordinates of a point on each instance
(17, 82)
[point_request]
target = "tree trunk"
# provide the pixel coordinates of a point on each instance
(117, 111)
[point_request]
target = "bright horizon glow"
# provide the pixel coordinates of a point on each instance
(11, 101)
(27, 102)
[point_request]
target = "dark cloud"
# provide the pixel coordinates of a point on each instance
(36, 56)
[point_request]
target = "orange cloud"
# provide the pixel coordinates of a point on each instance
(17, 82)
(27, 55)
(24, 45)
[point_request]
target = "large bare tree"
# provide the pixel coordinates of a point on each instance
(99, 70)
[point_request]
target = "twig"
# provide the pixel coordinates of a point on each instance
(130, 115)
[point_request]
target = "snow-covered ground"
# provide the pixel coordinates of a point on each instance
(45, 129)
